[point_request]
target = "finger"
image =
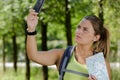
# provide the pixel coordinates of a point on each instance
(32, 11)
(32, 15)
(93, 77)
(90, 78)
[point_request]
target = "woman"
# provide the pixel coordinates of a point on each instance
(90, 37)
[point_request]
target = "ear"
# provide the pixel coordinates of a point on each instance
(96, 38)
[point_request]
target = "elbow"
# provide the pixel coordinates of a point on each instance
(31, 54)
(29, 57)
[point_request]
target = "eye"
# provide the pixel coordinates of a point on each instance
(85, 29)
(79, 27)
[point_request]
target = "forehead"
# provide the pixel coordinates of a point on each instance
(85, 23)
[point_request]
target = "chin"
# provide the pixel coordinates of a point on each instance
(77, 41)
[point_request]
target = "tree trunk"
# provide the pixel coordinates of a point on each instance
(14, 51)
(27, 68)
(4, 54)
(118, 52)
(27, 60)
(68, 23)
(100, 4)
(44, 47)
(14, 40)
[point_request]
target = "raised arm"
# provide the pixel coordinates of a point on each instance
(50, 57)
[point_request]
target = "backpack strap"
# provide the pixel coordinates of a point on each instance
(65, 60)
(75, 72)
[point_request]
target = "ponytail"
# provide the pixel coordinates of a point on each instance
(104, 42)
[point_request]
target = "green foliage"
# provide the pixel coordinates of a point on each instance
(111, 16)
(36, 74)
(13, 14)
(53, 74)
(115, 74)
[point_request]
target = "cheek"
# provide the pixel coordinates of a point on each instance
(89, 38)
(76, 31)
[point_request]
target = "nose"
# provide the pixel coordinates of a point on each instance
(79, 31)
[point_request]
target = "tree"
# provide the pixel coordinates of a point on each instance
(14, 38)
(100, 10)
(14, 51)
(68, 22)
(111, 19)
(4, 54)
(44, 47)
(2, 36)
(27, 61)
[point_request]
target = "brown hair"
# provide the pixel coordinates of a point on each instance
(102, 45)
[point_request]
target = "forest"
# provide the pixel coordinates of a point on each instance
(58, 20)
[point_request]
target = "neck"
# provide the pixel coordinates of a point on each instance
(83, 50)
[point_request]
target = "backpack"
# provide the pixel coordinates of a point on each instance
(64, 61)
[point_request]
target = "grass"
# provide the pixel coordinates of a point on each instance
(36, 74)
(115, 74)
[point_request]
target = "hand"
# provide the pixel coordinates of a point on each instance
(92, 77)
(32, 20)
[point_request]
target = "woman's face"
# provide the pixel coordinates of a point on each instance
(85, 33)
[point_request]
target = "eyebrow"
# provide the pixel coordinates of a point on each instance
(83, 26)
(78, 26)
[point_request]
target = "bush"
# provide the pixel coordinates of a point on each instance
(115, 74)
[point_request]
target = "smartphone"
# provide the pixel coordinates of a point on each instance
(38, 5)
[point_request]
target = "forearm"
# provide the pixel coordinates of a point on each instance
(31, 46)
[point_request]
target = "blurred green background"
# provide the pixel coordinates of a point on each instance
(57, 22)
